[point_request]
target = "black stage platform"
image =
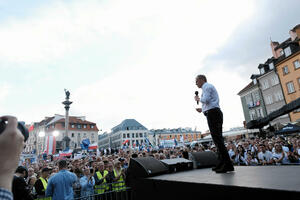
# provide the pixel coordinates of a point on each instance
(244, 182)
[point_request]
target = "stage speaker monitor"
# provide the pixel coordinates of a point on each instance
(203, 159)
(178, 164)
(146, 167)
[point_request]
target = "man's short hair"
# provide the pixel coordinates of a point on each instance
(21, 169)
(62, 164)
(202, 77)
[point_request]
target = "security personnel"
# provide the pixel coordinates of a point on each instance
(119, 184)
(100, 179)
(41, 184)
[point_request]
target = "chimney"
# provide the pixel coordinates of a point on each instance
(276, 53)
(293, 35)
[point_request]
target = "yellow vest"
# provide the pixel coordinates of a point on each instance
(45, 183)
(120, 184)
(100, 189)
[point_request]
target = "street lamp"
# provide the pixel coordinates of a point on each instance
(42, 134)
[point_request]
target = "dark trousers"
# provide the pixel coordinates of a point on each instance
(215, 123)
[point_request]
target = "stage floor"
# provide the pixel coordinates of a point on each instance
(282, 178)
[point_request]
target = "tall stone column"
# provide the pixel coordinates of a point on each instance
(67, 103)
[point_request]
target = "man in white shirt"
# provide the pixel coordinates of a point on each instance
(264, 156)
(214, 115)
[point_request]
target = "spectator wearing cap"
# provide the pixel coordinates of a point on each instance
(60, 186)
(41, 184)
(20, 188)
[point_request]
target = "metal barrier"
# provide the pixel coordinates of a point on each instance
(113, 191)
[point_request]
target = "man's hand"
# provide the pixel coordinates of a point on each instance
(197, 98)
(11, 146)
(199, 110)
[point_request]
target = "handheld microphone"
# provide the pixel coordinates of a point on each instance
(196, 93)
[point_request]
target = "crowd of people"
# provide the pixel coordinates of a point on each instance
(92, 175)
(107, 172)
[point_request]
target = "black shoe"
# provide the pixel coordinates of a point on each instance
(219, 165)
(225, 168)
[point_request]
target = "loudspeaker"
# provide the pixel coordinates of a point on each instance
(178, 164)
(204, 159)
(146, 167)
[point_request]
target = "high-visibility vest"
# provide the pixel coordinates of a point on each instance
(120, 184)
(45, 183)
(100, 189)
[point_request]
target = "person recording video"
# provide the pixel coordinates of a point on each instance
(11, 146)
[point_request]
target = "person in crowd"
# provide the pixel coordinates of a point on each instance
(11, 146)
(265, 157)
(251, 160)
(119, 179)
(41, 184)
(76, 185)
(20, 187)
(31, 183)
(60, 186)
(30, 174)
(211, 109)
(279, 156)
(110, 177)
(87, 183)
(100, 179)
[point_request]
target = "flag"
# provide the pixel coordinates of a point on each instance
(93, 146)
(181, 139)
(148, 142)
(30, 128)
(126, 141)
(85, 144)
(175, 141)
(51, 145)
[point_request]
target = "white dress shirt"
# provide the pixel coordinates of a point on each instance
(209, 97)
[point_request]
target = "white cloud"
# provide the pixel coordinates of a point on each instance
(157, 87)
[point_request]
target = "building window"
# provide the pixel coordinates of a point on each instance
(137, 135)
(128, 135)
(132, 135)
(79, 126)
(84, 134)
(252, 114)
(145, 134)
(265, 84)
(254, 81)
(287, 51)
(92, 135)
(290, 87)
(262, 70)
(72, 134)
(92, 126)
(278, 96)
(141, 134)
(269, 99)
(84, 126)
(274, 80)
(259, 112)
(124, 135)
(285, 70)
(296, 64)
(271, 65)
(72, 125)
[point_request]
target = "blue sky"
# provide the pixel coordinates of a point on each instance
(133, 59)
